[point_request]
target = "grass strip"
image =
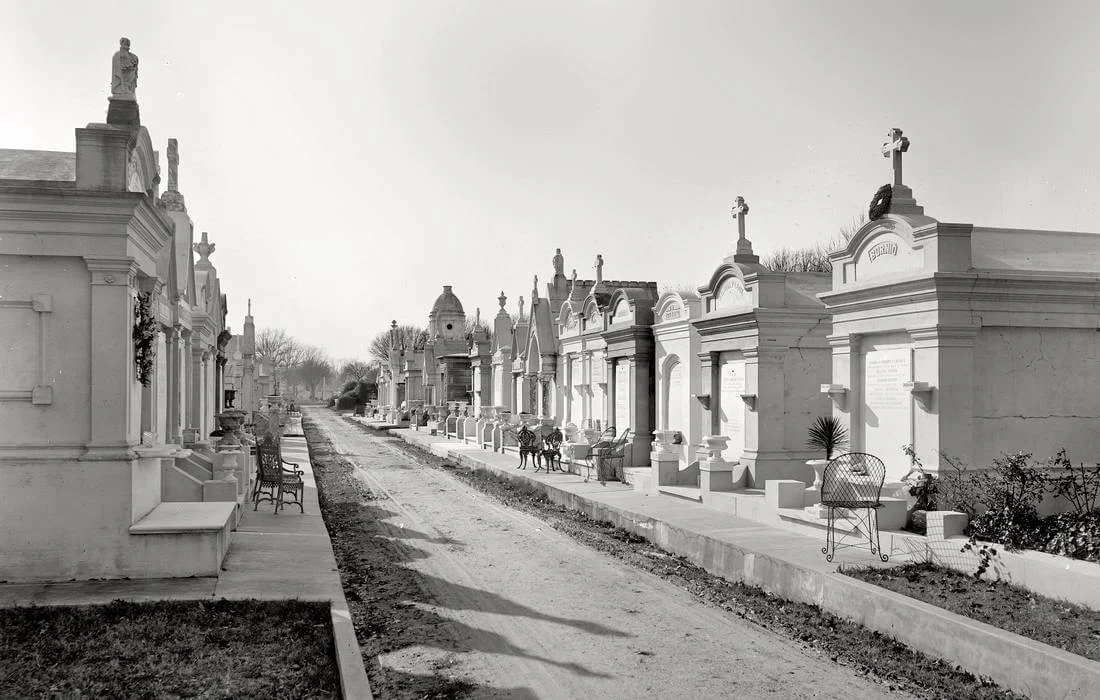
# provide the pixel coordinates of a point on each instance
(1060, 624)
(169, 649)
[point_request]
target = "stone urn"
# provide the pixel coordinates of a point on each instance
(818, 465)
(229, 423)
(665, 442)
(715, 446)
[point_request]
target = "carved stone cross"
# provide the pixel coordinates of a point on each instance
(895, 145)
(740, 210)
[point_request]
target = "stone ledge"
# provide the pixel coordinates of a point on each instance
(169, 518)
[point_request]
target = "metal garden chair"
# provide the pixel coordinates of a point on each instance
(852, 483)
(528, 441)
(273, 480)
(551, 450)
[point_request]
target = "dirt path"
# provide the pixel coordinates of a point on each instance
(505, 606)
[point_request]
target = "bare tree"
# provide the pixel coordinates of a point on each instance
(313, 369)
(358, 370)
(407, 337)
(279, 350)
(812, 258)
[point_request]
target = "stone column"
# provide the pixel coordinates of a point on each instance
(207, 394)
(642, 408)
(197, 405)
(172, 367)
(943, 421)
(609, 394)
(113, 388)
(712, 371)
(845, 386)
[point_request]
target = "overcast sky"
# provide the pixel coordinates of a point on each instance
(349, 159)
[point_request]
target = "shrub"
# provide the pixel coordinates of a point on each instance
(829, 434)
(346, 402)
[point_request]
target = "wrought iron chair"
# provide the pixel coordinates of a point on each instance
(551, 450)
(273, 480)
(528, 441)
(603, 443)
(853, 483)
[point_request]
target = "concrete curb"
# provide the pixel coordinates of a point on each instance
(1026, 666)
(354, 684)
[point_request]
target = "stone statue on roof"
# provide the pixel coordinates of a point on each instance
(559, 263)
(124, 72)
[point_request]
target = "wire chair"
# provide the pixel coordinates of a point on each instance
(853, 483)
(609, 459)
(603, 443)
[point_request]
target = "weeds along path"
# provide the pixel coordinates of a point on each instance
(456, 595)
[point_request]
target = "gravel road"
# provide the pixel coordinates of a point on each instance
(505, 606)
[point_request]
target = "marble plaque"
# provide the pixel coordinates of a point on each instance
(622, 396)
(733, 408)
(887, 407)
(674, 399)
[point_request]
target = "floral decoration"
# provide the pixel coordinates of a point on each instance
(145, 338)
(880, 204)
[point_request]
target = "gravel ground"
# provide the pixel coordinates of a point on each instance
(679, 632)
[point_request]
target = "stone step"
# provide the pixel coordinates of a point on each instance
(691, 493)
(183, 539)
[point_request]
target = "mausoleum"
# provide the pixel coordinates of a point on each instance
(963, 340)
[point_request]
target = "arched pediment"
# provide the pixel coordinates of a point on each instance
(142, 171)
(885, 246)
(593, 315)
(727, 288)
(673, 306)
(619, 308)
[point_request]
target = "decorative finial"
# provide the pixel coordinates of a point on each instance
(895, 145)
(124, 72)
(521, 308)
(502, 299)
(393, 324)
(599, 269)
(477, 317)
(740, 210)
(535, 289)
(204, 248)
(173, 165)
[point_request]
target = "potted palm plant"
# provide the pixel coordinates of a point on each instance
(829, 434)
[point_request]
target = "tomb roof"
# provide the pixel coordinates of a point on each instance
(18, 164)
(447, 302)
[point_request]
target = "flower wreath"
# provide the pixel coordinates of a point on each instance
(145, 336)
(880, 203)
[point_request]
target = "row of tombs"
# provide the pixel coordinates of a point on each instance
(963, 341)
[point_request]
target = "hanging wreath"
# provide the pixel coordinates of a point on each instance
(145, 338)
(880, 204)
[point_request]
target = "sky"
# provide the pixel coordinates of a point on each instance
(349, 159)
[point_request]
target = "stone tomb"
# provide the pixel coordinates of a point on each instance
(678, 373)
(89, 252)
(764, 357)
(963, 340)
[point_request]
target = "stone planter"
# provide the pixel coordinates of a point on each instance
(716, 445)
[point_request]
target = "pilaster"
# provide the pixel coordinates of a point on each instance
(113, 395)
